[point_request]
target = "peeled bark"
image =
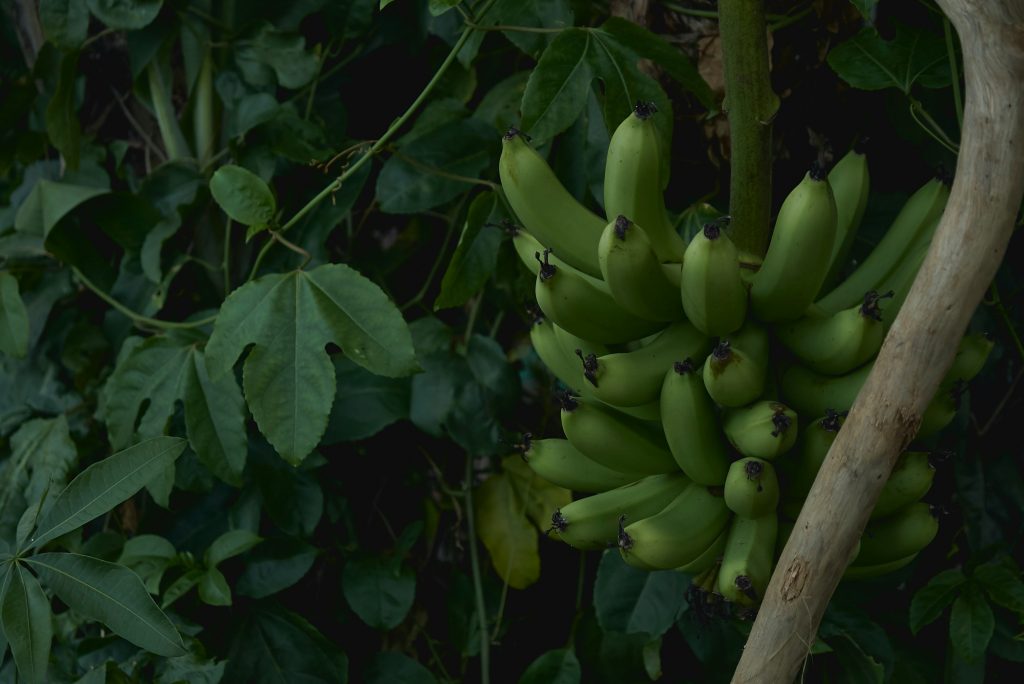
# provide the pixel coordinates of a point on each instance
(964, 256)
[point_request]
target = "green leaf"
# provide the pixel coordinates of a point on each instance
(275, 565)
(148, 555)
(287, 377)
(857, 666)
(557, 89)
(13, 318)
(475, 256)
(111, 594)
(27, 624)
(971, 624)
(188, 668)
(554, 667)
(419, 177)
(126, 14)
(214, 589)
(151, 375)
(291, 497)
(866, 8)
(43, 450)
(228, 545)
(379, 590)
(181, 586)
(105, 484)
(929, 601)
(270, 53)
(215, 420)
(65, 22)
(633, 601)
(364, 403)
(61, 114)
(869, 62)
(48, 203)
(1002, 583)
(276, 645)
(243, 196)
(392, 667)
(439, 7)
(504, 504)
(532, 14)
(670, 58)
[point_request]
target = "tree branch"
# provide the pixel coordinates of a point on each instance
(963, 258)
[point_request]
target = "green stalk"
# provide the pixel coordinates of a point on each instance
(478, 587)
(167, 120)
(202, 117)
(751, 105)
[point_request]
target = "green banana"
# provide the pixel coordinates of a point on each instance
(545, 207)
(910, 480)
(614, 439)
(713, 293)
(799, 252)
(850, 183)
(941, 411)
(765, 429)
(736, 371)
(837, 344)
(527, 248)
(859, 572)
(751, 488)
(706, 560)
(678, 534)
(635, 377)
(691, 427)
(593, 522)
(748, 558)
(562, 464)
(563, 366)
(917, 215)
(801, 467)
(584, 310)
(634, 275)
(902, 534)
(632, 181)
(971, 355)
(813, 394)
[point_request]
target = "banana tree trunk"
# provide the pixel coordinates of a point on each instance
(964, 256)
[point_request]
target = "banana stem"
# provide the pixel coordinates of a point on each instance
(917, 351)
(751, 106)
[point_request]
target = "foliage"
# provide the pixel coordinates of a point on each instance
(264, 344)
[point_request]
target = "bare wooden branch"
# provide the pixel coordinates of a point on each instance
(964, 256)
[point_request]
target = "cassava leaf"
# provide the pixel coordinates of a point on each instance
(13, 318)
(556, 91)
(869, 62)
(288, 379)
(27, 624)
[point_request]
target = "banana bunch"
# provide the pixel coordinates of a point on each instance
(702, 395)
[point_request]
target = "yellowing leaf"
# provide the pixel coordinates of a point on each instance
(504, 505)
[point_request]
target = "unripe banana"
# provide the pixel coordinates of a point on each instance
(563, 366)
(970, 358)
(678, 534)
(798, 255)
(562, 464)
(748, 558)
(691, 426)
(614, 439)
(941, 411)
(764, 429)
(633, 273)
(527, 247)
(837, 344)
(584, 310)
(635, 377)
(545, 207)
(800, 467)
(570, 343)
(920, 211)
(707, 560)
(633, 184)
(860, 572)
(902, 534)
(910, 480)
(713, 293)
(813, 394)
(850, 183)
(593, 522)
(752, 488)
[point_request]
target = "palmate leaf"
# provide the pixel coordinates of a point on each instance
(288, 379)
(25, 614)
(111, 594)
(161, 371)
(105, 484)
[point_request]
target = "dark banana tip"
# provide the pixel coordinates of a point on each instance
(722, 350)
(513, 133)
(753, 469)
(870, 308)
(818, 171)
(943, 174)
(505, 225)
(712, 231)
(830, 423)
(780, 420)
(547, 269)
(685, 366)
(622, 224)
(861, 146)
(644, 110)
(567, 400)
(524, 445)
(625, 541)
(589, 366)
(558, 521)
